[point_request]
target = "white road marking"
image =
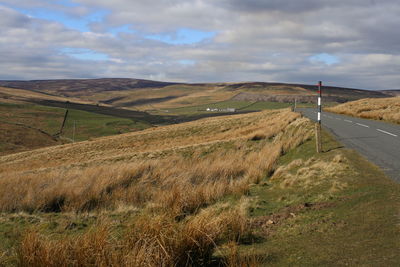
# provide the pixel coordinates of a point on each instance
(338, 118)
(348, 121)
(382, 131)
(363, 125)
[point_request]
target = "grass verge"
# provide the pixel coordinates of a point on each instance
(329, 209)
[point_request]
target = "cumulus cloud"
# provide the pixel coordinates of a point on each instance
(251, 40)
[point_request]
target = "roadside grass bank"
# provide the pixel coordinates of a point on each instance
(329, 209)
(243, 190)
(170, 204)
(386, 109)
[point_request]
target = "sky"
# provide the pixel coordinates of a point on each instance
(350, 43)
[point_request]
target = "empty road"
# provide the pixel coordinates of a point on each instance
(377, 141)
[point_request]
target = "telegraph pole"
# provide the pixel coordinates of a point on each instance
(318, 124)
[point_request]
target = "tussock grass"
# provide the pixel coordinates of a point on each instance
(150, 142)
(52, 180)
(313, 172)
(176, 183)
(174, 178)
(387, 109)
(236, 259)
(153, 240)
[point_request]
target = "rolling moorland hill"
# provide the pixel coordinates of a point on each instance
(150, 95)
(103, 107)
(16, 95)
(240, 190)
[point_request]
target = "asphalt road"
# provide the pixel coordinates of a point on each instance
(378, 141)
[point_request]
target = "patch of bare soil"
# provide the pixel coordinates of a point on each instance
(267, 224)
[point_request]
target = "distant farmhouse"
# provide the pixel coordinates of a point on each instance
(221, 110)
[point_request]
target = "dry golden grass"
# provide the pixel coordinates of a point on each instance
(236, 259)
(312, 173)
(13, 94)
(180, 168)
(151, 143)
(172, 176)
(171, 96)
(387, 109)
(188, 97)
(153, 240)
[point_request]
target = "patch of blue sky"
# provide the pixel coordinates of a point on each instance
(124, 28)
(187, 62)
(325, 58)
(84, 54)
(67, 3)
(182, 36)
(72, 22)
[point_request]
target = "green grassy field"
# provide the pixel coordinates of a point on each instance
(91, 125)
(49, 119)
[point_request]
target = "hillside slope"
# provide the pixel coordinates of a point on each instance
(15, 95)
(152, 142)
(241, 190)
(387, 109)
(149, 95)
(17, 137)
(27, 126)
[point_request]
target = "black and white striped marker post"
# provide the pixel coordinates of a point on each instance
(319, 102)
(318, 124)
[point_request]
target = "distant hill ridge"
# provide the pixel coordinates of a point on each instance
(104, 84)
(111, 84)
(393, 92)
(143, 95)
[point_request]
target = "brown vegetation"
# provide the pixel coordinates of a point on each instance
(312, 173)
(15, 138)
(387, 109)
(153, 240)
(173, 176)
(15, 95)
(178, 167)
